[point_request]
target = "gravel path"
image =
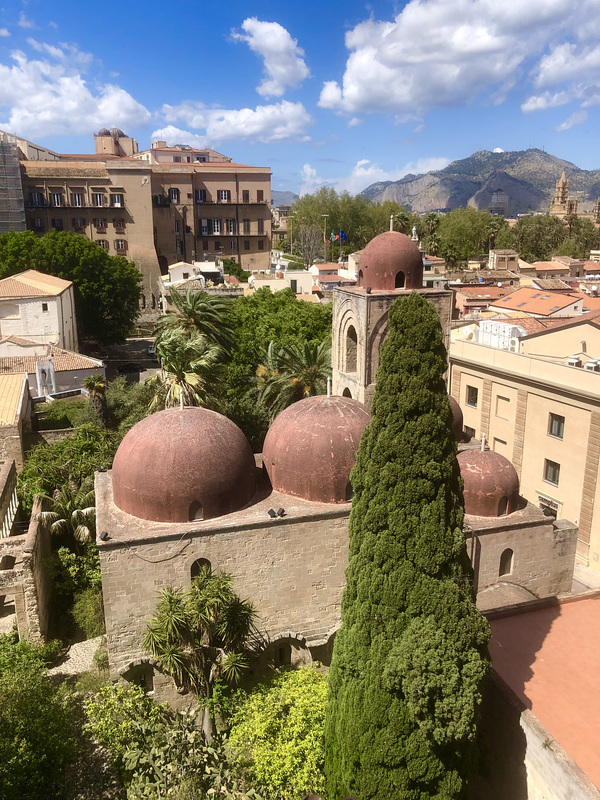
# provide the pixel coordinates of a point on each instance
(79, 658)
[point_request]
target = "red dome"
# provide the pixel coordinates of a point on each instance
(183, 464)
(311, 448)
(391, 261)
(491, 483)
(457, 419)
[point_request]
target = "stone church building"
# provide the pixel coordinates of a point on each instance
(186, 491)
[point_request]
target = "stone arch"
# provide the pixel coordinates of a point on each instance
(351, 349)
(503, 506)
(506, 562)
(140, 672)
(289, 649)
(195, 512)
(360, 277)
(347, 393)
(345, 320)
(400, 280)
(380, 331)
(198, 565)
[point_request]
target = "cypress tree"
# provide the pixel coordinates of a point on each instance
(411, 653)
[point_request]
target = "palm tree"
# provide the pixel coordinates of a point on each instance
(197, 312)
(403, 221)
(432, 220)
(291, 374)
(203, 635)
(70, 511)
(96, 387)
(433, 243)
(494, 226)
(189, 370)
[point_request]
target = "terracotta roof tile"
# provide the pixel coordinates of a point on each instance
(64, 361)
(11, 389)
(32, 283)
(535, 301)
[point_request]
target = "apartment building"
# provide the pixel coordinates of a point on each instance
(156, 207)
(540, 408)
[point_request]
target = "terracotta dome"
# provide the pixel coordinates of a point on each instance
(457, 419)
(491, 483)
(183, 464)
(391, 261)
(311, 448)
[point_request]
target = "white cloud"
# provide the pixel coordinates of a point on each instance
(546, 100)
(352, 123)
(172, 135)
(364, 173)
(49, 97)
(278, 122)
(578, 118)
(438, 53)
(283, 60)
(66, 52)
(4, 32)
(24, 22)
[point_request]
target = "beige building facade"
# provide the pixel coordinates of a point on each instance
(544, 416)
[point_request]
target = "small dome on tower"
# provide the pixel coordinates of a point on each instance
(183, 464)
(491, 483)
(391, 261)
(117, 133)
(311, 448)
(103, 132)
(457, 419)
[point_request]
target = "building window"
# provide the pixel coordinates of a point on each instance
(37, 199)
(556, 426)
(178, 247)
(98, 199)
(200, 563)
(44, 306)
(78, 222)
(232, 245)
(56, 199)
(204, 227)
(103, 243)
(506, 563)
(174, 195)
(246, 244)
(57, 224)
(261, 226)
(216, 226)
(260, 195)
(217, 246)
(39, 223)
(261, 244)
(351, 349)
(201, 195)
(177, 159)
(76, 199)
(230, 226)
(246, 227)
(245, 196)
(223, 195)
(99, 222)
(116, 200)
(205, 244)
(177, 227)
(472, 396)
(502, 407)
(201, 159)
(120, 244)
(551, 471)
(469, 433)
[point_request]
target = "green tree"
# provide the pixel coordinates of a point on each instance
(432, 221)
(463, 233)
(276, 734)
(411, 653)
(107, 288)
(403, 222)
(196, 312)
(49, 466)
(96, 387)
(292, 374)
(190, 366)
(70, 511)
(202, 635)
(35, 725)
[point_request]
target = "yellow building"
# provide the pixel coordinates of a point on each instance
(540, 408)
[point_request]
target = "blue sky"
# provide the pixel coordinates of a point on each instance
(339, 94)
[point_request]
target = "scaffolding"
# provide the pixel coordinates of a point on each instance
(12, 210)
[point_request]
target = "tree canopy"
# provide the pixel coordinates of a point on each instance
(411, 652)
(107, 288)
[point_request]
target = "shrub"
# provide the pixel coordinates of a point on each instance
(88, 613)
(276, 735)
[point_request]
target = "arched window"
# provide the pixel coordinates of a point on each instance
(399, 284)
(347, 393)
(351, 348)
(503, 506)
(198, 565)
(196, 511)
(506, 562)
(349, 491)
(360, 277)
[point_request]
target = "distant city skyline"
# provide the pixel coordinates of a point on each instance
(341, 95)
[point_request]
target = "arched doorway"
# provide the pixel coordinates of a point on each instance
(351, 349)
(196, 511)
(399, 282)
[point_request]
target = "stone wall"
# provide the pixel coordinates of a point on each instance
(9, 502)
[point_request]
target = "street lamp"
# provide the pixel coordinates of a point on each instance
(325, 236)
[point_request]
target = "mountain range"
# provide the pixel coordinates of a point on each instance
(528, 177)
